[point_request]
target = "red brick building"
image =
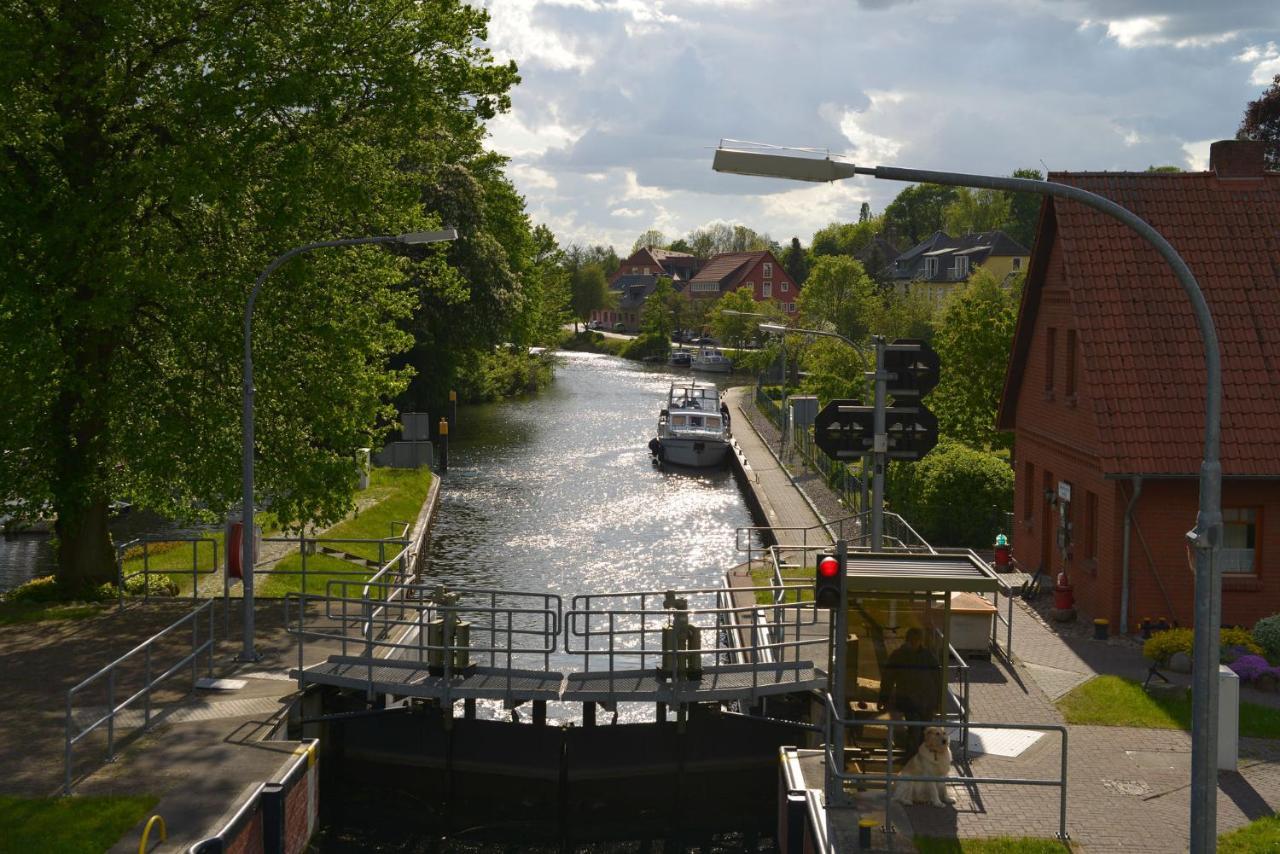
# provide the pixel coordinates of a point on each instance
(1106, 387)
(759, 271)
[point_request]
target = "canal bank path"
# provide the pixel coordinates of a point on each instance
(1127, 787)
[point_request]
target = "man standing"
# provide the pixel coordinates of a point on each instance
(910, 687)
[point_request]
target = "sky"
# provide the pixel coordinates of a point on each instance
(622, 102)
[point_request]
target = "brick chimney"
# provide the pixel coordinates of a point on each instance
(1238, 158)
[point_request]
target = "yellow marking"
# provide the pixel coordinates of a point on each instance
(164, 833)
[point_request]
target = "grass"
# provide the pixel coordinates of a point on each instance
(999, 845)
(1113, 701)
(762, 576)
(1254, 838)
(19, 613)
(76, 825)
(175, 556)
(397, 495)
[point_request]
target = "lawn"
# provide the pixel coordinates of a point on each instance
(1254, 838)
(68, 825)
(397, 496)
(1113, 701)
(18, 613)
(762, 576)
(1000, 845)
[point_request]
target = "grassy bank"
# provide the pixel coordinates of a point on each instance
(394, 497)
(1000, 845)
(593, 342)
(1113, 701)
(1254, 838)
(76, 825)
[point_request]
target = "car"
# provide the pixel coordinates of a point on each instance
(703, 341)
(619, 326)
(595, 324)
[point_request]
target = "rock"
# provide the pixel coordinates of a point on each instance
(1180, 662)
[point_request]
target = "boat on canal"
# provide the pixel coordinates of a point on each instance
(711, 360)
(693, 428)
(680, 359)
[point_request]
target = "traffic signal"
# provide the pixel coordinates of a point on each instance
(828, 580)
(915, 365)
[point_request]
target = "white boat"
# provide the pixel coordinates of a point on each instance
(711, 360)
(693, 428)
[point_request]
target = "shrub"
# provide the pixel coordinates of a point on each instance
(46, 589)
(1251, 668)
(1234, 644)
(646, 346)
(1266, 634)
(949, 495)
(153, 584)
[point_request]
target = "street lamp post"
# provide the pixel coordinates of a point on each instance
(1205, 537)
(248, 653)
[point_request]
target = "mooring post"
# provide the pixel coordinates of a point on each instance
(588, 714)
(444, 444)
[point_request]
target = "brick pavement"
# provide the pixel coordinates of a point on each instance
(1127, 789)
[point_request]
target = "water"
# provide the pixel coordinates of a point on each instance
(24, 557)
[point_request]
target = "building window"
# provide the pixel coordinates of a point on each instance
(961, 268)
(784, 287)
(1071, 363)
(930, 267)
(1239, 539)
(789, 308)
(635, 269)
(1050, 356)
(766, 290)
(768, 271)
(1017, 263)
(646, 271)
(1089, 542)
(1028, 490)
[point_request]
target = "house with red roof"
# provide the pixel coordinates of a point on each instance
(759, 271)
(636, 278)
(1105, 391)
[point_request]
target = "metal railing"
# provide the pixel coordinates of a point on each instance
(1002, 619)
(835, 767)
(624, 629)
(145, 543)
(150, 681)
(397, 544)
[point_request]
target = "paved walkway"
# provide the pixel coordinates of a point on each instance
(1127, 787)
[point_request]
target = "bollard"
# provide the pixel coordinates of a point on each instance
(865, 826)
(1101, 629)
(444, 444)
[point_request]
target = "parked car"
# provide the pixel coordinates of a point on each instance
(704, 341)
(595, 324)
(619, 326)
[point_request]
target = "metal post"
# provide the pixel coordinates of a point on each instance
(66, 773)
(879, 451)
(146, 698)
(839, 644)
(111, 714)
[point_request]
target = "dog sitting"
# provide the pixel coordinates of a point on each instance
(933, 759)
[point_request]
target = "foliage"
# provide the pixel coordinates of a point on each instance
(646, 346)
(844, 238)
(722, 237)
(835, 371)
(651, 238)
(1253, 668)
(153, 583)
(954, 495)
(795, 262)
(757, 361)
(995, 845)
(76, 825)
(1024, 210)
(1162, 646)
(154, 158)
(576, 256)
(1115, 701)
(588, 291)
(917, 212)
(974, 338)
(587, 341)
(840, 295)
(663, 311)
(1257, 837)
(736, 330)
(1266, 634)
(48, 590)
(1262, 121)
(908, 315)
(503, 372)
(972, 211)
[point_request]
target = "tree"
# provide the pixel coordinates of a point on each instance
(1024, 210)
(794, 261)
(588, 291)
(680, 245)
(661, 313)
(1262, 121)
(864, 212)
(973, 211)
(917, 211)
(651, 238)
(844, 238)
(840, 295)
(604, 257)
(739, 329)
(907, 315)
(974, 337)
(835, 371)
(954, 496)
(153, 158)
(722, 237)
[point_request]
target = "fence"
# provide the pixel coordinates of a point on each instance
(108, 673)
(146, 544)
(398, 543)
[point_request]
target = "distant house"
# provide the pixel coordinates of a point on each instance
(877, 257)
(759, 271)
(1105, 391)
(635, 279)
(940, 263)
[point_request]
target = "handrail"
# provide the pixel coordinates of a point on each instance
(145, 541)
(836, 725)
(109, 671)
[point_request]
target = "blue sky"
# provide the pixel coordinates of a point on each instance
(623, 101)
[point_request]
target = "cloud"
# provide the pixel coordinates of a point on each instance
(510, 135)
(1196, 154)
(1265, 60)
(626, 212)
(515, 34)
(1155, 32)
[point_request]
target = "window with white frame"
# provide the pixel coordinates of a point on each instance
(767, 290)
(789, 308)
(930, 267)
(704, 287)
(961, 268)
(1017, 263)
(1239, 539)
(768, 270)
(784, 287)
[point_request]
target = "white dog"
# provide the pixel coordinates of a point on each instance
(933, 759)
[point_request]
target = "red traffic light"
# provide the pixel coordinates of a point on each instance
(828, 567)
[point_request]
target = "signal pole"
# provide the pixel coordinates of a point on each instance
(879, 449)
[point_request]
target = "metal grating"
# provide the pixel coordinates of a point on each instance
(404, 680)
(888, 571)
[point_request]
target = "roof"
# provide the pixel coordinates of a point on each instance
(635, 293)
(895, 571)
(722, 268)
(628, 280)
(1143, 356)
(977, 246)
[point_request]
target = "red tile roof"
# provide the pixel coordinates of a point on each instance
(1143, 359)
(722, 268)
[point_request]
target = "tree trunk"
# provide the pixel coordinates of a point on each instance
(86, 558)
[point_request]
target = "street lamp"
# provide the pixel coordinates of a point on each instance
(248, 653)
(1205, 538)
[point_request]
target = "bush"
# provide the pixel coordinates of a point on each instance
(1234, 644)
(1266, 634)
(1253, 668)
(646, 346)
(949, 495)
(153, 584)
(46, 589)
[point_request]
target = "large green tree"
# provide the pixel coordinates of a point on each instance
(839, 295)
(731, 319)
(153, 157)
(976, 210)
(588, 291)
(974, 337)
(917, 212)
(1262, 121)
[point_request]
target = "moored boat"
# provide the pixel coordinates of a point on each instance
(680, 359)
(711, 360)
(693, 427)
